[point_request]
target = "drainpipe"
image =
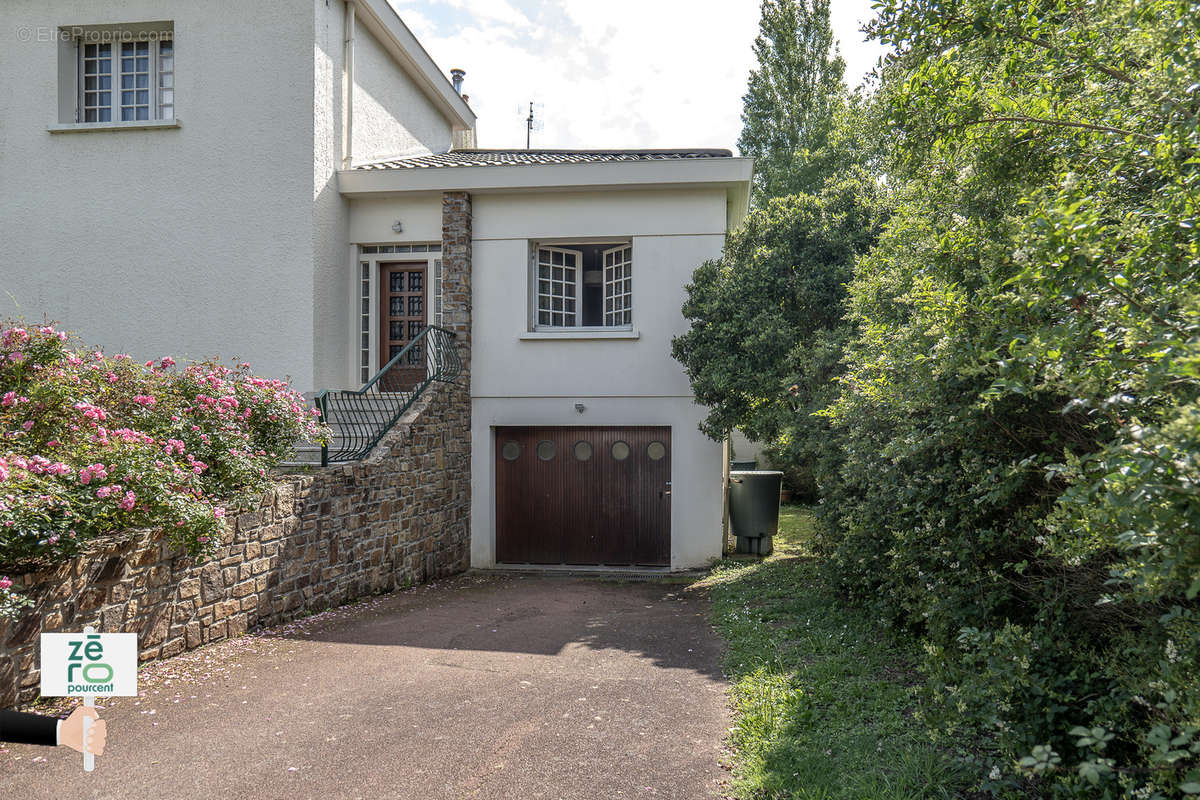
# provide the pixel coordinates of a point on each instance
(348, 144)
(726, 455)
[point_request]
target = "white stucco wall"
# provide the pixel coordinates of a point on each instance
(193, 241)
(371, 220)
(213, 238)
(332, 273)
(519, 381)
(392, 117)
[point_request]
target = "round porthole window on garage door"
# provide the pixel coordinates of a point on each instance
(545, 450)
(583, 451)
(511, 451)
(656, 451)
(620, 451)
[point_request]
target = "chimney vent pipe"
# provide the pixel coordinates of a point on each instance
(456, 77)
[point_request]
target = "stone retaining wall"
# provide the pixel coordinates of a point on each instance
(314, 541)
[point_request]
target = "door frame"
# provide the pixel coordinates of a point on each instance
(364, 329)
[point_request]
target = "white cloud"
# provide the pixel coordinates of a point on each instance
(611, 74)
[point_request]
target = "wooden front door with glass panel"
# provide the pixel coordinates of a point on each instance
(401, 320)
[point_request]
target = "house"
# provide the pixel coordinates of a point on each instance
(296, 183)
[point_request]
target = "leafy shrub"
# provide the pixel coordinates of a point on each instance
(1011, 464)
(1019, 412)
(94, 444)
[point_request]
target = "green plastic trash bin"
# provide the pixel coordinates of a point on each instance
(754, 509)
(740, 466)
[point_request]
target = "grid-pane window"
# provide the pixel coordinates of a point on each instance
(166, 80)
(618, 286)
(557, 286)
(126, 81)
(584, 285)
(135, 81)
(97, 82)
(365, 322)
(437, 291)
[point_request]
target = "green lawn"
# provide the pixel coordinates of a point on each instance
(821, 694)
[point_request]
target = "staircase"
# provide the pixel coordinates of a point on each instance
(358, 419)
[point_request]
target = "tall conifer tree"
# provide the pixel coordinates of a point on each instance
(791, 99)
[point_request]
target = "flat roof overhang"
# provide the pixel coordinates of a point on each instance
(733, 175)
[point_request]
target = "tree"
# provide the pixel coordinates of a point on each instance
(792, 97)
(1020, 407)
(763, 315)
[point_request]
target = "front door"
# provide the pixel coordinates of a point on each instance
(401, 319)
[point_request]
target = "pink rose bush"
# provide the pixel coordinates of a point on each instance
(11, 603)
(92, 444)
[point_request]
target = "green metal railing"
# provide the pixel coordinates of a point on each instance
(360, 418)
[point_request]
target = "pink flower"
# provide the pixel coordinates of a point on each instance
(128, 501)
(5, 583)
(91, 412)
(3, 469)
(145, 400)
(14, 335)
(17, 356)
(168, 362)
(8, 399)
(219, 512)
(97, 471)
(27, 425)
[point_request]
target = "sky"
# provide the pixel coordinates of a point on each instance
(610, 73)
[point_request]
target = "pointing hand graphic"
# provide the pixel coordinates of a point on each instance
(71, 734)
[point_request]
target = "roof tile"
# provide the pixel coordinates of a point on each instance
(508, 158)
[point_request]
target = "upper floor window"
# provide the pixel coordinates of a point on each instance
(117, 73)
(583, 285)
(127, 81)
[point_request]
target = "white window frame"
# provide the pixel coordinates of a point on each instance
(538, 329)
(617, 303)
(576, 285)
(160, 80)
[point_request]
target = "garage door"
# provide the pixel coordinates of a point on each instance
(583, 495)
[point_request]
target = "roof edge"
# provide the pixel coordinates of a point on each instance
(729, 172)
(711, 152)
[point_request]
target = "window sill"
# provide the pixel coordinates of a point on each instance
(567, 333)
(94, 127)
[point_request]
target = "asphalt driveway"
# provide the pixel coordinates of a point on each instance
(478, 687)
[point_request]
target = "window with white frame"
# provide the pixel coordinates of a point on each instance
(117, 74)
(582, 286)
(618, 286)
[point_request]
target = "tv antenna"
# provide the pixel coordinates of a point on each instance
(533, 122)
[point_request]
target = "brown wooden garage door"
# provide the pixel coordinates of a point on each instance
(583, 495)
